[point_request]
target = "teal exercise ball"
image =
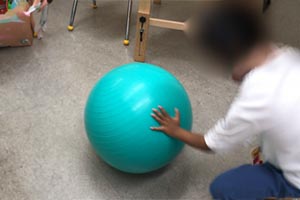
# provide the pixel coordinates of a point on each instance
(118, 120)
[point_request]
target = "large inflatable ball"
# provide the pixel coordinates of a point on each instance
(118, 120)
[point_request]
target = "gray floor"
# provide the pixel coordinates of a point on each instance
(44, 151)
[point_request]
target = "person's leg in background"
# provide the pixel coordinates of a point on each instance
(252, 182)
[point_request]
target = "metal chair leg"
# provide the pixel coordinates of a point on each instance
(94, 4)
(128, 19)
(73, 13)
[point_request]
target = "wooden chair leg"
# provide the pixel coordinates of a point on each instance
(142, 28)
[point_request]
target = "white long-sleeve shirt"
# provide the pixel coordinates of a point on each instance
(267, 106)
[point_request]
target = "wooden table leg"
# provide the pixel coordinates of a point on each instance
(142, 29)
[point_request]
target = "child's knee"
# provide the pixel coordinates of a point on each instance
(217, 189)
(232, 184)
(226, 184)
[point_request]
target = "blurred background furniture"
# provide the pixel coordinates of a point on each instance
(144, 21)
(73, 13)
(94, 6)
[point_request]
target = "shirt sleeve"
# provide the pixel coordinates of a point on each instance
(243, 122)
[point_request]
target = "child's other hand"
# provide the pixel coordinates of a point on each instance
(168, 124)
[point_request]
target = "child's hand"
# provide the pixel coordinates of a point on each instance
(168, 124)
(171, 126)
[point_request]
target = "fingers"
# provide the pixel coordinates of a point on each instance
(177, 114)
(157, 128)
(163, 111)
(157, 113)
(157, 118)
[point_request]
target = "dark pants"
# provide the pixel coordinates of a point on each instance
(252, 182)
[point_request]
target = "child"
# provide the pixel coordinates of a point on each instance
(267, 106)
(41, 6)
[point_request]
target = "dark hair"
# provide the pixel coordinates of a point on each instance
(230, 32)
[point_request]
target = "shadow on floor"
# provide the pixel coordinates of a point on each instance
(165, 183)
